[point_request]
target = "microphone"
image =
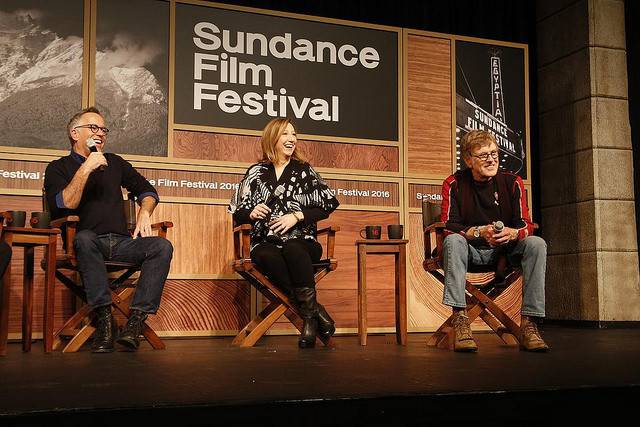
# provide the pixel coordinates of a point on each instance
(274, 238)
(498, 227)
(92, 147)
(276, 195)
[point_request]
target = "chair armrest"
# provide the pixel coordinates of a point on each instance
(69, 222)
(242, 227)
(166, 224)
(333, 228)
(3, 215)
(57, 223)
(242, 242)
(162, 228)
(331, 238)
(433, 240)
(434, 227)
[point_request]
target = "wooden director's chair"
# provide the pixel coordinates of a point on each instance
(482, 287)
(279, 304)
(122, 279)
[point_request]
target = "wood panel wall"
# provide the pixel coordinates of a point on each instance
(338, 291)
(429, 111)
(63, 297)
(202, 307)
(202, 237)
(243, 149)
(203, 296)
(189, 306)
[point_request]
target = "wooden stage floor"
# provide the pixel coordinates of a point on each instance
(587, 373)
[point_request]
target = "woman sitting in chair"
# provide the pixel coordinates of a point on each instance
(283, 198)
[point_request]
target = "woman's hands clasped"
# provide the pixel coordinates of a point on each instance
(279, 225)
(283, 224)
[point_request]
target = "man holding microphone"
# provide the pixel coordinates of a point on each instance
(88, 183)
(487, 223)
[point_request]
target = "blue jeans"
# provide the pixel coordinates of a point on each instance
(152, 254)
(530, 253)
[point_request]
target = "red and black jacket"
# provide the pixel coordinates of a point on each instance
(468, 203)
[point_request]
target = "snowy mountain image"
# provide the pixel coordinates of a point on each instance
(41, 87)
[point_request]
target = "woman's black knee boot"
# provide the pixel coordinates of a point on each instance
(308, 306)
(326, 325)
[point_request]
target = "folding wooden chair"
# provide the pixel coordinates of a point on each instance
(481, 286)
(279, 304)
(122, 279)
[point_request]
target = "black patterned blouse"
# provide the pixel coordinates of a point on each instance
(304, 190)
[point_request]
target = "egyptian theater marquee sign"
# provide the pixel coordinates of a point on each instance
(239, 70)
(490, 96)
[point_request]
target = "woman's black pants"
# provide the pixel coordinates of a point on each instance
(288, 267)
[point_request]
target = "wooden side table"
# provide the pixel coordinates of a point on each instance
(383, 247)
(29, 238)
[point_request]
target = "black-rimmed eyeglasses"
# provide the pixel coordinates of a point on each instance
(94, 128)
(484, 157)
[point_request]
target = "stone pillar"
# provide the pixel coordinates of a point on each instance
(586, 168)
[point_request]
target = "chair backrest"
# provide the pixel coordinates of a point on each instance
(431, 212)
(130, 212)
(45, 202)
(3, 215)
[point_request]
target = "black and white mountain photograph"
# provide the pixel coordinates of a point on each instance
(40, 71)
(41, 59)
(132, 81)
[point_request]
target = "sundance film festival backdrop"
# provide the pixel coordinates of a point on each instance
(186, 88)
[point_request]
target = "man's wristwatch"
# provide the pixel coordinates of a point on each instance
(476, 232)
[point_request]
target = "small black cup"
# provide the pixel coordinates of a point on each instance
(17, 219)
(395, 231)
(371, 232)
(40, 220)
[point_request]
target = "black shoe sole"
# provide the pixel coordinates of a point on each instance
(102, 350)
(328, 333)
(131, 345)
(305, 344)
(466, 350)
(535, 350)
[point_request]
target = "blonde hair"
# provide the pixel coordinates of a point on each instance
(475, 139)
(270, 136)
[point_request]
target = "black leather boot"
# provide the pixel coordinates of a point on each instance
(308, 306)
(326, 325)
(130, 334)
(106, 330)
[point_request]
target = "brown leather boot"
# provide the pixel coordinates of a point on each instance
(530, 339)
(462, 339)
